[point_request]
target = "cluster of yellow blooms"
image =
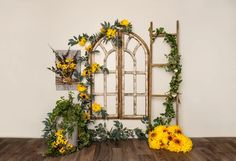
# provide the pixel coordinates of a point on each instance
(61, 144)
(111, 33)
(170, 138)
(81, 87)
(69, 65)
(95, 107)
(94, 68)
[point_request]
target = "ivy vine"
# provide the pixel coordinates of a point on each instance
(173, 66)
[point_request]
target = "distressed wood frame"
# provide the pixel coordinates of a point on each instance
(149, 65)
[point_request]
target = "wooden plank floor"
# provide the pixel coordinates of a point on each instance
(205, 149)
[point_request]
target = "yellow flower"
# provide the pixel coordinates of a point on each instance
(62, 150)
(152, 135)
(58, 141)
(86, 73)
(64, 141)
(69, 60)
(167, 138)
(83, 96)
(124, 22)
(69, 146)
(82, 41)
(176, 144)
(175, 129)
(72, 66)
(89, 48)
(187, 144)
(64, 66)
(95, 67)
(86, 116)
(96, 107)
(59, 132)
(111, 33)
(81, 87)
(53, 144)
(160, 129)
(102, 30)
(154, 144)
(58, 64)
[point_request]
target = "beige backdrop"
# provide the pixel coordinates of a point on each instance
(207, 45)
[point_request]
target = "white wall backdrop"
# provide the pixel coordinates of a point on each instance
(207, 45)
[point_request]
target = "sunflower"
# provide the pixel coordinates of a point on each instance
(176, 144)
(62, 150)
(95, 67)
(81, 87)
(152, 135)
(96, 107)
(84, 96)
(187, 144)
(59, 132)
(160, 129)
(72, 66)
(69, 146)
(166, 138)
(86, 73)
(175, 129)
(154, 144)
(53, 144)
(69, 60)
(124, 22)
(111, 33)
(86, 115)
(64, 66)
(82, 41)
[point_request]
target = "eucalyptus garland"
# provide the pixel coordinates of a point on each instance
(173, 66)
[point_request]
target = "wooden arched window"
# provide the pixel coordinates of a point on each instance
(124, 91)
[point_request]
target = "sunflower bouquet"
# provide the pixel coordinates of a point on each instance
(170, 138)
(65, 66)
(59, 145)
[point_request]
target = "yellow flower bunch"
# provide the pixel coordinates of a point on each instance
(68, 66)
(86, 115)
(69, 60)
(81, 87)
(72, 66)
(61, 144)
(95, 67)
(86, 73)
(96, 107)
(170, 138)
(82, 41)
(111, 33)
(84, 96)
(124, 22)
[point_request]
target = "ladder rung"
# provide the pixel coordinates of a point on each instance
(159, 65)
(163, 35)
(159, 95)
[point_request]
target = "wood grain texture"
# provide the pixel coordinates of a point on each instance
(205, 149)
